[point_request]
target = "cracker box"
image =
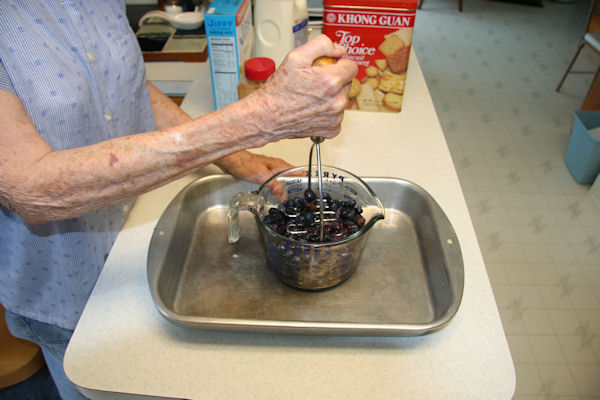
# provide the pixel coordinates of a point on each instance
(377, 35)
(230, 37)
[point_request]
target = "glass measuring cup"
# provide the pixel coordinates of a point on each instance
(303, 264)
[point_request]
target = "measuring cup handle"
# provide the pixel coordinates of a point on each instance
(249, 201)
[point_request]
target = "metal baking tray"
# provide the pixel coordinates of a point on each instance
(409, 282)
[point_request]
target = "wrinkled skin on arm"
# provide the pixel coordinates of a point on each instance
(245, 165)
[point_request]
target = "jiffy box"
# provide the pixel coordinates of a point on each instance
(230, 38)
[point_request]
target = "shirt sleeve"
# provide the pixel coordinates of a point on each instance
(5, 83)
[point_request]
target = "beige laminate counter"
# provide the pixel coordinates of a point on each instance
(122, 344)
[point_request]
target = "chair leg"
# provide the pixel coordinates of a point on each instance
(460, 2)
(570, 64)
(420, 4)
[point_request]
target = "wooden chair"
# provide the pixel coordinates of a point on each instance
(460, 5)
(591, 37)
(19, 359)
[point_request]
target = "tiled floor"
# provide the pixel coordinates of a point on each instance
(492, 71)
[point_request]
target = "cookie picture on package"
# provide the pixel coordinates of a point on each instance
(377, 35)
(396, 52)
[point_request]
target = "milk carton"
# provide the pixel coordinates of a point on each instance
(280, 26)
(230, 37)
(377, 35)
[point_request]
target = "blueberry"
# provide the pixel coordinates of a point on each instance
(348, 214)
(309, 195)
(351, 228)
(310, 216)
(274, 214)
(289, 210)
(349, 203)
(336, 228)
(300, 220)
(281, 229)
(313, 234)
(333, 205)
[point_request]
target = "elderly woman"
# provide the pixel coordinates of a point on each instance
(82, 133)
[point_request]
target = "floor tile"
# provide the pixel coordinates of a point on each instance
(528, 379)
(556, 381)
(578, 349)
(586, 379)
(537, 322)
(546, 349)
(565, 322)
(520, 349)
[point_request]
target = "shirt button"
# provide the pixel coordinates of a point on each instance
(107, 116)
(91, 57)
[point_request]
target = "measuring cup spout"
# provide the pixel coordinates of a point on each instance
(372, 221)
(379, 214)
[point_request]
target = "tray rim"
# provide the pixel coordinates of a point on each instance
(295, 326)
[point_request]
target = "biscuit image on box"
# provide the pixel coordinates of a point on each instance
(398, 62)
(374, 82)
(381, 64)
(390, 45)
(390, 82)
(405, 34)
(378, 97)
(396, 53)
(372, 71)
(354, 88)
(366, 99)
(393, 101)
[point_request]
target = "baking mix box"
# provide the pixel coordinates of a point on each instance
(377, 35)
(230, 37)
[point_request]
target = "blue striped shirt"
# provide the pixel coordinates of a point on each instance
(77, 68)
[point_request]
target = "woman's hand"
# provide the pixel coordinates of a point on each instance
(252, 167)
(305, 100)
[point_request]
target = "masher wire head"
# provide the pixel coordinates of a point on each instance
(328, 216)
(297, 229)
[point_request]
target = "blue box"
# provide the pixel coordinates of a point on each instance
(230, 37)
(583, 153)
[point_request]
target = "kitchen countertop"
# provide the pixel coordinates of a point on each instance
(122, 345)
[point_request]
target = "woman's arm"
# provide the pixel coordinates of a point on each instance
(44, 185)
(166, 112)
(252, 167)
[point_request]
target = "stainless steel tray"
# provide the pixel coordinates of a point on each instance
(409, 282)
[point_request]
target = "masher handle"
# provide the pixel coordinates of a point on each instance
(324, 60)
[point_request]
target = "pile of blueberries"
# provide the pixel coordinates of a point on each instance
(300, 218)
